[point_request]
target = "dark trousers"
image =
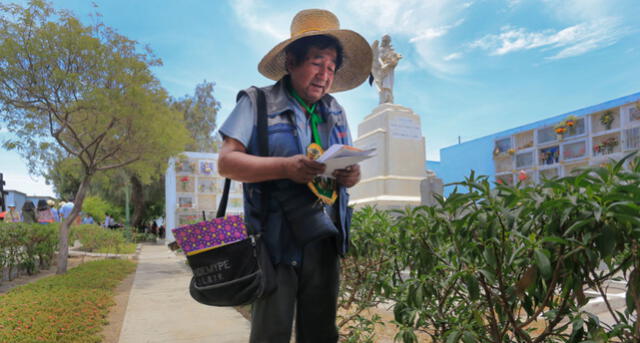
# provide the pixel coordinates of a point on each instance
(310, 291)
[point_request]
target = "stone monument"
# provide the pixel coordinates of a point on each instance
(392, 178)
(385, 60)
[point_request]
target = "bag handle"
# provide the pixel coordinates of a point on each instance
(263, 144)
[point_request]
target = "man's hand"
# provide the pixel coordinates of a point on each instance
(348, 176)
(302, 169)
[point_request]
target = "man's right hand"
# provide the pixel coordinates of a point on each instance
(302, 169)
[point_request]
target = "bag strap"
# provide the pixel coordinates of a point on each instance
(263, 144)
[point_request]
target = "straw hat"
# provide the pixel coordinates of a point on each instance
(357, 55)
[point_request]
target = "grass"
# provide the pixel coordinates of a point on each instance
(124, 248)
(63, 308)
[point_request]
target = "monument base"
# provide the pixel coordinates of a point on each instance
(391, 179)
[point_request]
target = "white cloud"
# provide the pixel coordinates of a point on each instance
(580, 10)
(571, 41)
(454, 56)
(424, 23)
(256, 16)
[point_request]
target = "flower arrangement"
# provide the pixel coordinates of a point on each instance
(497, 152)
(606, 146)
(184, 180)
(567, 125)
(606, 119)
(549, 156)
(522, 175)
(571, 121)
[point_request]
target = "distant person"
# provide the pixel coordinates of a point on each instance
(12, 216)
(107, 221)
(29, 212)
(161, 230)
(44, 215)
(154, 228)
(65, 210)
(54, 210)
(87, 219)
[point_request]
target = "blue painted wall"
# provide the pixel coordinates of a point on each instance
(457, 161)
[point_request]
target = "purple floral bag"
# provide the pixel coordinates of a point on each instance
(204, 236)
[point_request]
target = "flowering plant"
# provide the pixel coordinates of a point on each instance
(606, 119)
(522, 175)
(184, 180)
(549, 155)
(606, 146)
(571, 121)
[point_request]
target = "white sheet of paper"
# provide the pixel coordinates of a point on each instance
(338, 157)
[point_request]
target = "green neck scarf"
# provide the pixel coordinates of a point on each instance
(315, 117)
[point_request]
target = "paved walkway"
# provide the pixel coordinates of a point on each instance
(160, 309)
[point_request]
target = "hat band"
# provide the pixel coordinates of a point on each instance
(309, 30)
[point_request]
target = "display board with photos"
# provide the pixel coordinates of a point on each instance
(199, 188)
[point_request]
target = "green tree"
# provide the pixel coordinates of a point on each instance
(64, 175)
(96, 207)
(199, 112)
(85, 91)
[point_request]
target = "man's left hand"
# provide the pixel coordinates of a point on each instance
(349, 176)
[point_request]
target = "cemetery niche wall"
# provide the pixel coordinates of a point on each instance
(193, 189)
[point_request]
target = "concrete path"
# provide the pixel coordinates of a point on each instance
(160, 309)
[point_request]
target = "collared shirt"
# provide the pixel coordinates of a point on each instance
(283, 114)
(236, 124)
(66, 209)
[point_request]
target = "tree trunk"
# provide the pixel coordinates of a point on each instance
(63, 239)
(137, 200)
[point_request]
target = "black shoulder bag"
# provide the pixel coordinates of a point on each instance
(238, 273)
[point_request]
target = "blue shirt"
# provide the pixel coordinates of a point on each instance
(66, 209)
(56, 216)
(284, 113)
(236, 124)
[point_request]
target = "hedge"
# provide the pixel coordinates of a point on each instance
(27, 246)
(95, 238)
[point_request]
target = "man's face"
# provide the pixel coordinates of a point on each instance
(312, 78)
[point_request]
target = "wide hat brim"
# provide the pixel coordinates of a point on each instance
(356, 61)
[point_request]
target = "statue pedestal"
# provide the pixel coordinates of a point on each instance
(390, 179)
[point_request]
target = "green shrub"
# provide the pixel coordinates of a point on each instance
(508, 264)
(95, 238)
(96, 207)
(30, 246)
(63, 308)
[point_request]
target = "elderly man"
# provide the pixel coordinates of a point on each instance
(318, 59)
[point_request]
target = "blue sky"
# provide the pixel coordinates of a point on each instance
(470, 68)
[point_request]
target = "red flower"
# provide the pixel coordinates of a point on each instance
(522, 175)
(184, 179)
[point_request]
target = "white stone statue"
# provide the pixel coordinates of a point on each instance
(385, 59)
